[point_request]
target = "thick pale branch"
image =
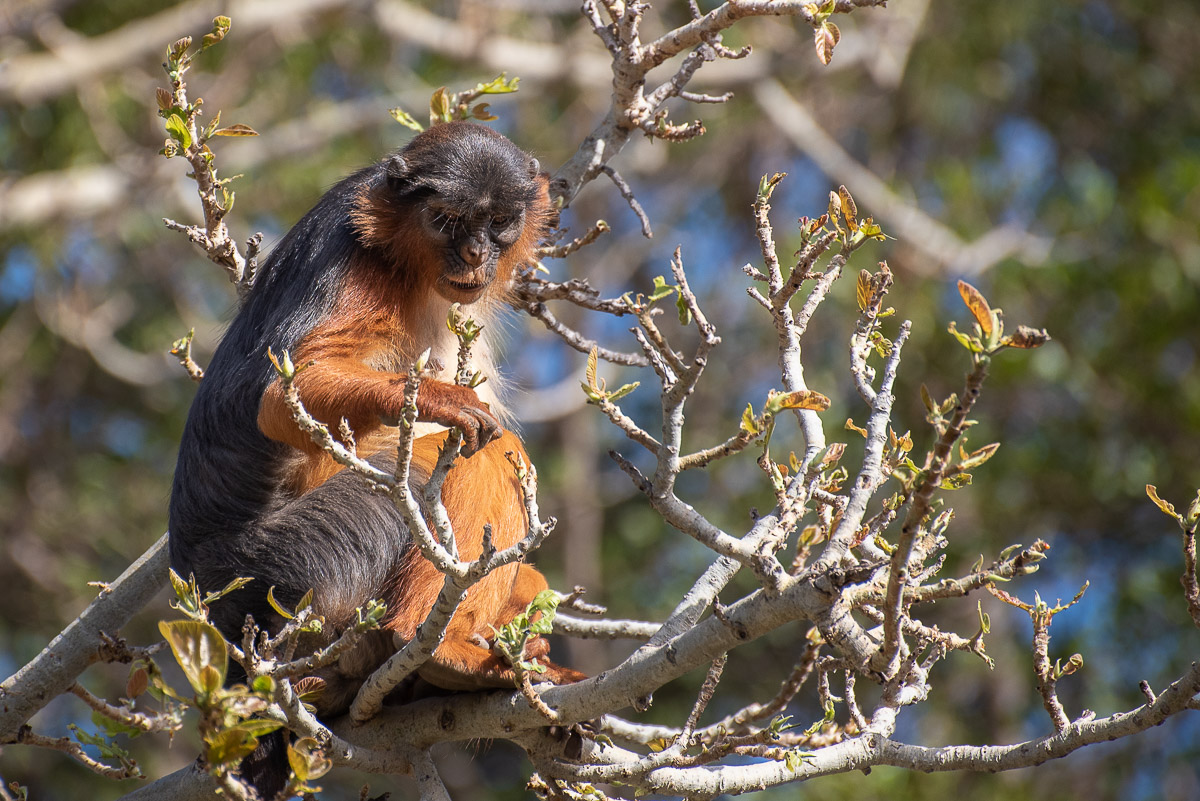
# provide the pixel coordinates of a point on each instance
(55, 669)
(872, 750)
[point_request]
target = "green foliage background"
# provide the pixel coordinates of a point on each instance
(1074, 120)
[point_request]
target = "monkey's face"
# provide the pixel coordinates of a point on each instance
(459, 209)
(472, 240)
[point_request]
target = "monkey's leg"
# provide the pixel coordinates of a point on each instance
(478, 492)
(466, 659)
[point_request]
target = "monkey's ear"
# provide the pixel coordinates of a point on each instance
(534, 167)
(397, 171)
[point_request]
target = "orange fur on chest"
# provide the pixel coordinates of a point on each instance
(369, 325)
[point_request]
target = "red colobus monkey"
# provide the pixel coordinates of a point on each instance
(360, 287)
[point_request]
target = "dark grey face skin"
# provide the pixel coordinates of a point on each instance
(473, 220)
(473, 240)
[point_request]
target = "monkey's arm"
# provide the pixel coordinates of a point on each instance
(366, 398)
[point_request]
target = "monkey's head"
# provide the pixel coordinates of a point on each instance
(460, 206)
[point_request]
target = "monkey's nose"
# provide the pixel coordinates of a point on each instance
(473, 252)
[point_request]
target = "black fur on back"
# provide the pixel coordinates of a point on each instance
(227, 516)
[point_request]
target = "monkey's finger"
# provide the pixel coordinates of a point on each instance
(480, 428)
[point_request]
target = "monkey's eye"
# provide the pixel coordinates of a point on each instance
(446, 220)
(501, 220)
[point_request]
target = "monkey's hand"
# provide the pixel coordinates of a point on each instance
(458, 407)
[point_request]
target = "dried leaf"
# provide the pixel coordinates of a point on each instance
(1027, 338)
(851, 427)
(849, 208)
(927, 399)
(1166, 507)
(825, 38)
(833, 454)
(439, 106)
(863, 289)
(802, 399)
(590, 372)
(220, 28)
(138, 682)
(980, 456)
(237, 129)
(164, 98)
(480, 112)
(978, 305)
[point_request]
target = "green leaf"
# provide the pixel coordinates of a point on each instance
(197, 646)
(178, 131)
(307, 759)
(305, 601)
(661, 289)
(112, 728)
(954, 482)
(284, 366)
(500, 85)
(681, 307)
(236, 584)
(767, 184)
(407, 120)
(285, 614)
(183, 590)
(623, 390)
(749, 424)
(871, 230)
(237, 742)
(969, 342)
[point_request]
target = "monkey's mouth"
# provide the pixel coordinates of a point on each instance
(469, 282)
(467, 286)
